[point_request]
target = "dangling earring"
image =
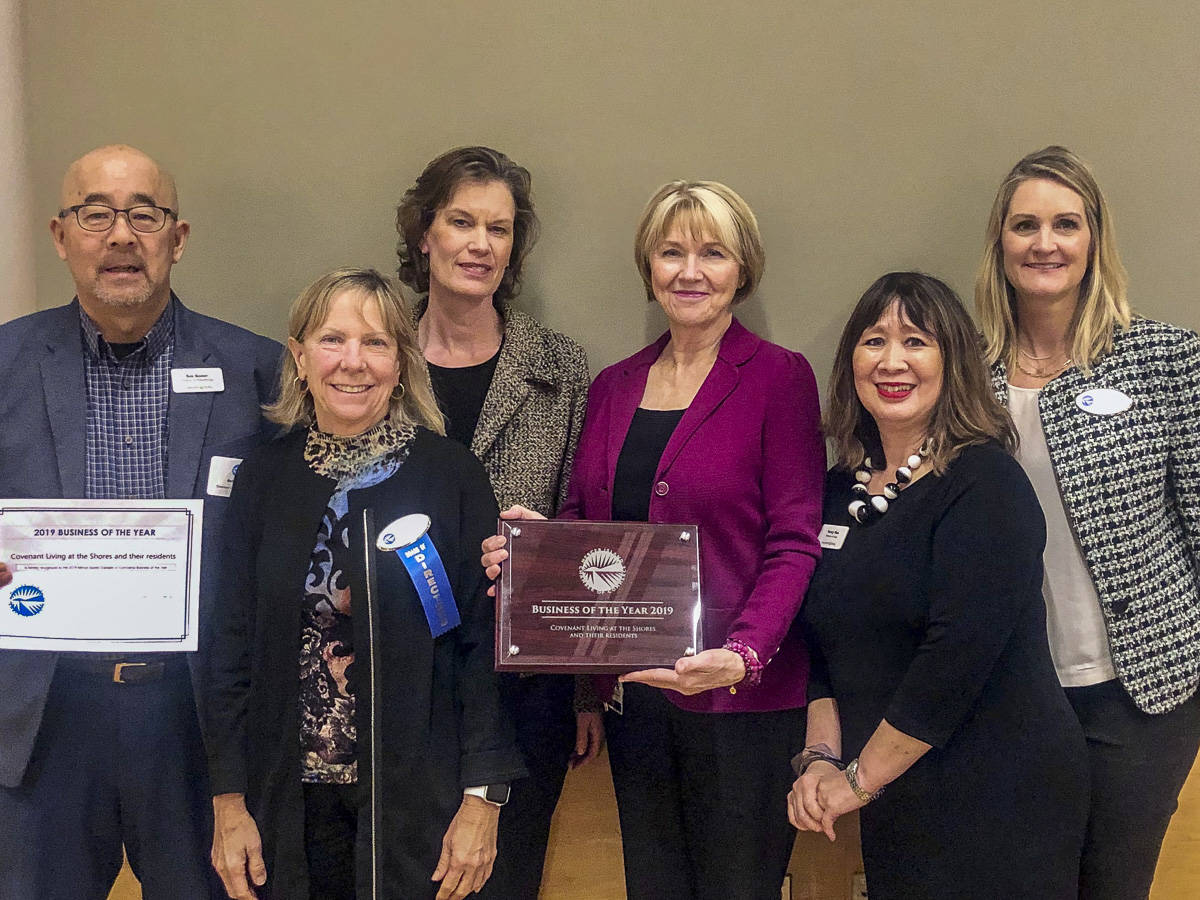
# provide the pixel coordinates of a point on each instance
(301, 383)
(400, 396)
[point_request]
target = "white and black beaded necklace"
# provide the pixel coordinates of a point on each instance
(865, 507)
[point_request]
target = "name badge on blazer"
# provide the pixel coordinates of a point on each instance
(197, 381)
(221, 472)
(833, 536)
(1104, 401)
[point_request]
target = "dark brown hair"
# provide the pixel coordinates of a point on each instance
(966, 412)
(433, 190)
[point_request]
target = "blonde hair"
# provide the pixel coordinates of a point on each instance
(1103, 304)
(415, 404)
(703, 209)
(966, 411)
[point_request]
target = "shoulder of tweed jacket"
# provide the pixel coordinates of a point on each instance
(532, 415)
(1130, 484)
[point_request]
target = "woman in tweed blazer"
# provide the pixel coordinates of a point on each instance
(1107, 405)
(514, 392)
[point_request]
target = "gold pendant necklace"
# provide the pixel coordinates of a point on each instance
(1025, 353)
(1050, 374)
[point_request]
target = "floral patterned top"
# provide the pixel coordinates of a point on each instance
(327, 732)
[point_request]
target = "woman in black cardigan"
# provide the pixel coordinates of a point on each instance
(365, 755)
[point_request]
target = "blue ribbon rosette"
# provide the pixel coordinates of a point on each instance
(408, 537)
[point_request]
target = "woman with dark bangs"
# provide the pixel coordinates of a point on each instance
(931, 675)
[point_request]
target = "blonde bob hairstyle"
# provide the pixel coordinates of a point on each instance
(704, 210)
(415, 405)
(965, 413)
(1103, 304)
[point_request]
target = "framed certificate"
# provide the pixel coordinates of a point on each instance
(101, 575)
(578, 596)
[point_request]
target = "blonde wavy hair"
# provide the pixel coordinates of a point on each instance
(415, 405)
(1103, 303)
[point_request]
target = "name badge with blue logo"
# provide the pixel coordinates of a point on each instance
(1103, 401)
(408, 537)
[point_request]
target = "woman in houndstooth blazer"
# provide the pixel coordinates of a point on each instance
(1107, 405)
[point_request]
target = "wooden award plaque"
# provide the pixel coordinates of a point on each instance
(577, 596)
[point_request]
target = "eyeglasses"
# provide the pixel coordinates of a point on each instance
(145, 219)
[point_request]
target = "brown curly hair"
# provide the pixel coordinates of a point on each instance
(433, 190)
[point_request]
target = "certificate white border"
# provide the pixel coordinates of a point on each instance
(187, 641)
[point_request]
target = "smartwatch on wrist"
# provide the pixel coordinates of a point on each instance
(495, 794)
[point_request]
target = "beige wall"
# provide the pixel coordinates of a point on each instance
(16, 241)
(867, 137)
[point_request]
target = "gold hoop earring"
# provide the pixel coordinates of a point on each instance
(400, 396)
(301, 383)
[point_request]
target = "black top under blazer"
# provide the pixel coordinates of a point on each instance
(439, 726)
(1130, 485)
(532, 415)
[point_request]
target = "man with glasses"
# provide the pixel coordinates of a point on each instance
(103, 751)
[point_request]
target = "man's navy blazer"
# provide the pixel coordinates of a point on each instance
(43, 424)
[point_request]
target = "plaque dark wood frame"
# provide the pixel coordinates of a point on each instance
(545, 570)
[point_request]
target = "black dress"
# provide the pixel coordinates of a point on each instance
(932, 618)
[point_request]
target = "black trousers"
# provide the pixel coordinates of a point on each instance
(114, 765)
(543, 710)
(702, 798)
(331, 814)
(1138, 763)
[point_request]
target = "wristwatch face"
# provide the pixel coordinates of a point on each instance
(497, 793)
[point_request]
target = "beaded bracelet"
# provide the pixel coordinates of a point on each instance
(754, 668)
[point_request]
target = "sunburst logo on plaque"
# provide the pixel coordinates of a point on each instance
(601, 571)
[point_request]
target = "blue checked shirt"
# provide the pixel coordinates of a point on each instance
(127, 412)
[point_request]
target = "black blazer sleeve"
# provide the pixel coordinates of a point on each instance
(232, 635)
(488, 751)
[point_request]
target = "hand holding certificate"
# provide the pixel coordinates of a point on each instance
(100, 575)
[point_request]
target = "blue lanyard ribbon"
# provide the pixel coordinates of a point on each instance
(428, 575)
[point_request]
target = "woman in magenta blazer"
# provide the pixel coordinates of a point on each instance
(710, 425)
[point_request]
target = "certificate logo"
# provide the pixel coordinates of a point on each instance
(26, 600)
(601, 571)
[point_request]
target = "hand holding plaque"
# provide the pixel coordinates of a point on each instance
(495, 547)
(578, 596)
(706, 671)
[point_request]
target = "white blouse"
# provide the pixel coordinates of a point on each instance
(1078, 638)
